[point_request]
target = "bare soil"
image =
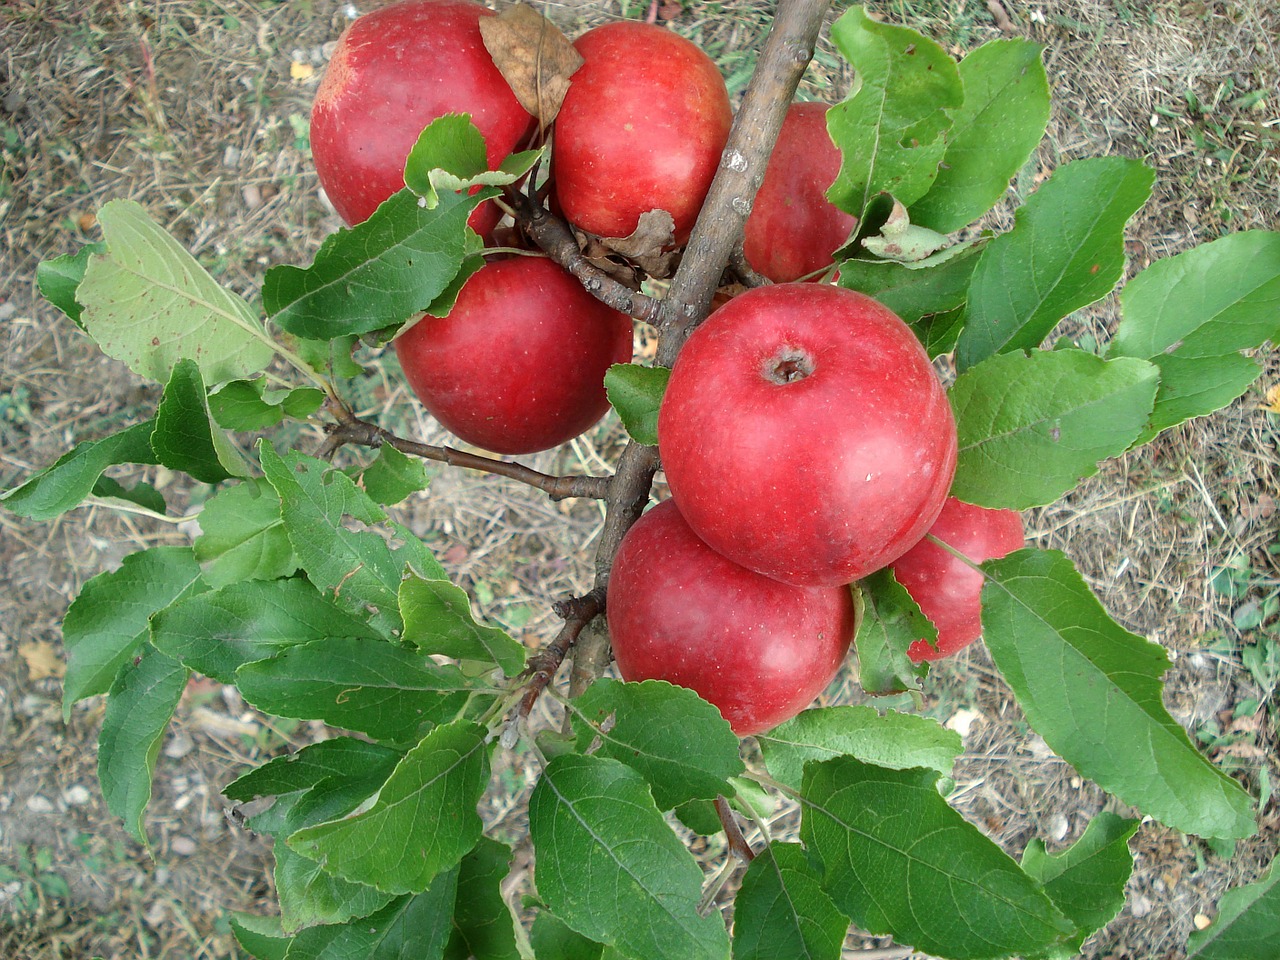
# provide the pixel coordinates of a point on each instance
(197, 109)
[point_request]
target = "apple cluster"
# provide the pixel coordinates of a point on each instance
(805, 436)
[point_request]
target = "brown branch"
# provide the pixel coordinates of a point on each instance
(555, 238)
(744, 271)
(782, 62)
(351, 429)
(738, 845)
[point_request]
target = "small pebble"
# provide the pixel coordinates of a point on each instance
(1201, 921)
(39, 804)
(183, 846)
(76, 796)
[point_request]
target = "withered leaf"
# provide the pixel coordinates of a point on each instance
(651, 244)
(534, 56)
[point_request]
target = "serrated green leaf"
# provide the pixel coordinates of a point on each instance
(333, 357)
(650, 734)
(72, 477)
(1193, 313)
(298, 772)
(781, 911)
(185, 438)
(392, 476)
(893, 740)
(1086, 880)
(107, 623)
(450, 156)
(1247, 926)
(246, 405)
(367, 685)
(58, 279)
(141, 494)
(410, 926)
(148, 303)
(635, 391)
(894, 853)
(437, 619)
(377, 274)
(262, 937)
(1093, 691)
(1005, 86)
(891, 621)
(218, 632)
(913, 292)
(1066, 251)
(1031, 426)
(243, 537)
(609, 866)
(141, 704)
(423, 821)
(553, 940)
(482, 924)
(892, 129)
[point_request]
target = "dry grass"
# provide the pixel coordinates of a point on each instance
(188, 106)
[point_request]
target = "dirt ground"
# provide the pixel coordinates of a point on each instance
(198, 109)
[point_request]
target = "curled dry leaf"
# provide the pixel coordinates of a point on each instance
(534, 56)
(650, 246)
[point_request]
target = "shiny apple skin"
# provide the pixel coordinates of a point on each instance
(758, 649)
(394, 71)
(793, 228)
(821, 479)
(518, 365)
(949, 590)
(642, 128)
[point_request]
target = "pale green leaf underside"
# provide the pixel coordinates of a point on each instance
(438, 620)
(1093, 691)
(243, 537)
(1247, 926)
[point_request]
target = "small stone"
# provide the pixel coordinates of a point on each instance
(962, 721)
(1201, 921)
(76, 796)
(1139, 906)
(1058, 827)
(39, 804)
(183, 846)
(179, 746)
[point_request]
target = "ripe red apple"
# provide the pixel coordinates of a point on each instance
(805, 434)
(758, 649)
(947, 589)
(642, 128)
(394, 71)
(793, 228)
(518, 365)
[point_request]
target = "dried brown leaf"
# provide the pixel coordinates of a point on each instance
(42, 659)
(534, 56)
(651, 245)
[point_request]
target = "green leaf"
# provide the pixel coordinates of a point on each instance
(298, 772)
(1005, 88)
(635, 391)
(913, 291)
(414, 927)
(141, 704)
(650, 734)
(107, 624)
(218, 632)
(185, 439)
(437, 619)
(482, 924)
(243, 537)
(377, 274)
(359, 566)
(148, 303)
(423, 821)
(893, 740)
(892, 129)
(891, 621)
(1192, 314)
(141, 494)
(262, 937)
(1065, 251)
(1086, 880)
(449, 156)
(609, 866)
(72, 477)
(781, 911)
(393, 476)
(1031, 426)
(894, 854)
(358, 684)
(58, 279)
(1247, 926)
(245, 405)
(553, 940)
(1092, 690)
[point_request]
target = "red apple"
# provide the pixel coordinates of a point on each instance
(793, 228)
(947, 589)
(518, 365)
(394, 71)
(758, 649)
(805, 434)
(643, 127)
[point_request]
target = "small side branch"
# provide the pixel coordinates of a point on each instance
(351, 429)
(738, 845)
